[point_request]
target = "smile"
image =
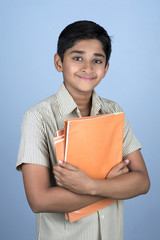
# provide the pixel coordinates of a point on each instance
(86, 78)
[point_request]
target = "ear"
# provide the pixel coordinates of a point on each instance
(58, 63)
(106, 69)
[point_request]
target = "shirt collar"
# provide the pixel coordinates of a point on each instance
(68, 105)
(65, 101)
(96, 104)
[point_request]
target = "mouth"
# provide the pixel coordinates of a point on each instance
(86, 78)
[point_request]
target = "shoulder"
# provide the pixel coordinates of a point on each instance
(110, 106)
(44, 107)
(41, 112)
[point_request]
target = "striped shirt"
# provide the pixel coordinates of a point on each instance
(39, 127)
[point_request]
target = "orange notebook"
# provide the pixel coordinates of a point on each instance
(93, 144)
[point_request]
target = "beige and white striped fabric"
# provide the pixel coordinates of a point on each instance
(37, 147)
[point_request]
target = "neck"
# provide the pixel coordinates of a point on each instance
(84, 103)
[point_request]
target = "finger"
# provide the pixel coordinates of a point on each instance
(68, 166)
(57, 177)
(123, 171)
(122, 164)
(57, 169)
(60, 162)
(59, 183)
(126, 161)
(57, 166)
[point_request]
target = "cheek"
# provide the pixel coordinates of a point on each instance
(101, 73)
(69, 70)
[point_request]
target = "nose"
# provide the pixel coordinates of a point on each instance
(87, 67)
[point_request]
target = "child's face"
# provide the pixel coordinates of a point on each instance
(83, 66)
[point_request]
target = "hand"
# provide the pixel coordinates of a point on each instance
(72, 178)
(119, 169)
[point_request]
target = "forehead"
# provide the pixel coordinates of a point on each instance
(88, 45)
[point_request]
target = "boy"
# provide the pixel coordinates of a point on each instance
(83, 57)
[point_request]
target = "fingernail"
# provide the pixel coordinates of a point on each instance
(60, 161)
(127, 161)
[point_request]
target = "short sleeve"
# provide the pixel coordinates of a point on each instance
(130, 143)
(33, 144)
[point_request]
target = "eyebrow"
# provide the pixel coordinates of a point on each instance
(83, 52)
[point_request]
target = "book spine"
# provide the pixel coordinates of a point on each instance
(66, 146)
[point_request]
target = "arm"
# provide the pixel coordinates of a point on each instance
(130, 184)
(44, 198)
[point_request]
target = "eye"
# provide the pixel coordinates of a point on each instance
(77, 58)
(97, 61)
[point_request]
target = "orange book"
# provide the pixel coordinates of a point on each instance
(95, 145)
(59, 145)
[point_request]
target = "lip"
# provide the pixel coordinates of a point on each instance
(86, 78)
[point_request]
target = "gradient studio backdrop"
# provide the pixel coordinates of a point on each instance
(29, 32)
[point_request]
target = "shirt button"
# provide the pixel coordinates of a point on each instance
(102, 216)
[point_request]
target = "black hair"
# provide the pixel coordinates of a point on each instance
(83, 30)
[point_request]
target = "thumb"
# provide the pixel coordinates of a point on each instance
(126, 161)
(122, 165)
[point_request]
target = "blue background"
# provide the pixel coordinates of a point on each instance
(29, 32)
